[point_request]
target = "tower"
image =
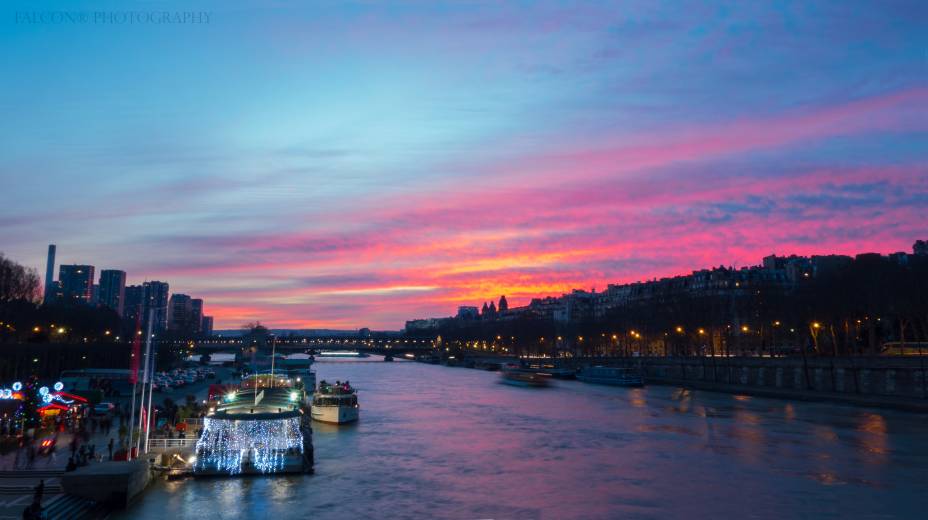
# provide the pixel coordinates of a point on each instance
(50, 275)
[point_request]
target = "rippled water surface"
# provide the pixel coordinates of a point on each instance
(438, 442)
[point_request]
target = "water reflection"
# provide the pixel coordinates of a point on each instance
(437, 442)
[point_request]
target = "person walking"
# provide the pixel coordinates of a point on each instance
(110, 448)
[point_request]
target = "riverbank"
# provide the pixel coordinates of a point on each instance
(886, 382)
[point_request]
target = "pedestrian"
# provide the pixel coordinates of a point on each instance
(110, 448)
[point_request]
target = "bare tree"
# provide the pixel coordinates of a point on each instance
(18, 282)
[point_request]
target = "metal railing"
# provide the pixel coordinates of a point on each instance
(193, 423)
(157, 445)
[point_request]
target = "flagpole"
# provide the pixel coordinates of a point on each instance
(134, 377)
(151, 381)
(151, 315)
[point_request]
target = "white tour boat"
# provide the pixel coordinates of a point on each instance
(335, 404)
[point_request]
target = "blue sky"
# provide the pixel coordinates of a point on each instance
(351, 164)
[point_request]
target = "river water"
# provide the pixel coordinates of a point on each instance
(439, 442)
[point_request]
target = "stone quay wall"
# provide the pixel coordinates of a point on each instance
(879, 381)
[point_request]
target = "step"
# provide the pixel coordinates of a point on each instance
(30, 473)
(71, 507)
(53, 489)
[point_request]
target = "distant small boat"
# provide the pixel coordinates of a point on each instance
(388, 357)
(611, 376)
(552, 371)
(519, 377)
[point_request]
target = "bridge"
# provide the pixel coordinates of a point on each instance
(395, 346)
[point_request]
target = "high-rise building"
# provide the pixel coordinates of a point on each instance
(50, 285)
(179, 310)
(196, 314)
(156, 299)
(75, 283)
(113, 289)
(206, 326)
(134, 305)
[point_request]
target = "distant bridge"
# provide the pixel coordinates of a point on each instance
(364, 345)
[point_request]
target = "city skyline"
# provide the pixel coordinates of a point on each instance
(388, 163)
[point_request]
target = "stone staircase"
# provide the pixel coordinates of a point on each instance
(56, 505)
(71, 507)
(23, 482)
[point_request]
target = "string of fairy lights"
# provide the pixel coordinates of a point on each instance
(226, 444)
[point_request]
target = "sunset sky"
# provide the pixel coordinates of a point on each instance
(348, 165)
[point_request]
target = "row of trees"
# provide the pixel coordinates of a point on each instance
(861, 308)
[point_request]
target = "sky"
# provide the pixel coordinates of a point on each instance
(344, 165)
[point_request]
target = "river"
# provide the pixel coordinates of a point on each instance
(439, 442)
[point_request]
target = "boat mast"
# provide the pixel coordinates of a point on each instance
(273, 355)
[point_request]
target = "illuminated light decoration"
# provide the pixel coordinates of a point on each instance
(53, 406)
(17, 386)
(59, 386)
(43, 391)
(226, 444)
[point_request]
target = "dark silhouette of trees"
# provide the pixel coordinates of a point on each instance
(18, 282)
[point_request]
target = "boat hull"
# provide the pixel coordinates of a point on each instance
(335, 414)
(524, 379)
(292, 464)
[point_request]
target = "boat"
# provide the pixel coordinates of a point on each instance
(519, 377)
(388, 357)
(261, 428)
(335, 404)
(616, 376)
(550, 370)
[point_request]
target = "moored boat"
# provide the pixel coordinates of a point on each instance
(335, 404)
(519, 377)
(551, 370)
(616, 376)
(255, 430)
